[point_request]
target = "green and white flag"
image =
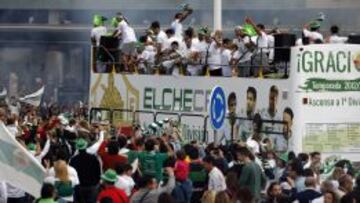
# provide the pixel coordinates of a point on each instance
(18, 166)
(34, 98)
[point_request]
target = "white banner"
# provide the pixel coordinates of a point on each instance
(17, 166)
(327, 99)
(186, 95)
(34, 98)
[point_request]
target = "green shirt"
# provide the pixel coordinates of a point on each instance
(48, 200)
(151, 163)
(252, 178)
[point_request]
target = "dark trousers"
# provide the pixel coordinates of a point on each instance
(216, 72)
(18, 200)
(86, 194)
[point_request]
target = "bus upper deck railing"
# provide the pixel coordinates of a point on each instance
(269, 62)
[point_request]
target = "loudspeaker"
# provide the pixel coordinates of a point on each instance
(354, 39)
(108, 47)
(283, 43)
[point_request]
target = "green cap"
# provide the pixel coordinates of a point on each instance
(284, 157)
(204, 31)
(314, 24)
(109, 176)
(81, 144)
(249, 30)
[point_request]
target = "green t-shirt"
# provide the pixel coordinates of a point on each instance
(151, 163)
(252, 178)
(49, 200)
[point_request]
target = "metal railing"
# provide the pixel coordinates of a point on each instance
(259, 64)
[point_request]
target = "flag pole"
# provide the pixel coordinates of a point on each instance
(217, 15)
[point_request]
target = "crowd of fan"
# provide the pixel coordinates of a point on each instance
(179, 51)
(92, 163)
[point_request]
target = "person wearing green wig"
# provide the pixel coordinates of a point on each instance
(98, 29)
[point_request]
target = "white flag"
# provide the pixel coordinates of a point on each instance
(18, 166)
(34, 98)
(3, 93)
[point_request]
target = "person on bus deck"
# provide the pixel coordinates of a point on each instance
(334, 38)
(203, 46)
(176, 25)
(271, 113)
(243, 55)
(171, 59)
(246, 127)
(214, 59)
(191, 54)
(128, 41)
(161, 36)
(226, 58)
(146, 59)
(260, 58)
(311, 31)
(98, 30)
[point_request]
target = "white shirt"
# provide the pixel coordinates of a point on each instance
(335, 39)
(127, 32)
(253, 145)
(97, 33)
(13, 191)
(177, 27)
(3, 192)
(72, 174)
(261, 42)
(243, 51)
(13, 130)
(148, 55)
(203, 46)
(216, 180)
(225, 62)
(214, 60)
(313, 35)
(161, 37)
(169, 41)
(188, 52)
(126, 183)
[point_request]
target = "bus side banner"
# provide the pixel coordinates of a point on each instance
(322, 94)
(326, 82)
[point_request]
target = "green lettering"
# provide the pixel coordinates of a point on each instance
(307, 62)
(177, 101)
(341, 56)
(197, 108)
(187, 99)
(318, 61)
(148, 97)
(166, 91)
(156, 106)
(331, 63)
(349, 62)
(207, 95)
